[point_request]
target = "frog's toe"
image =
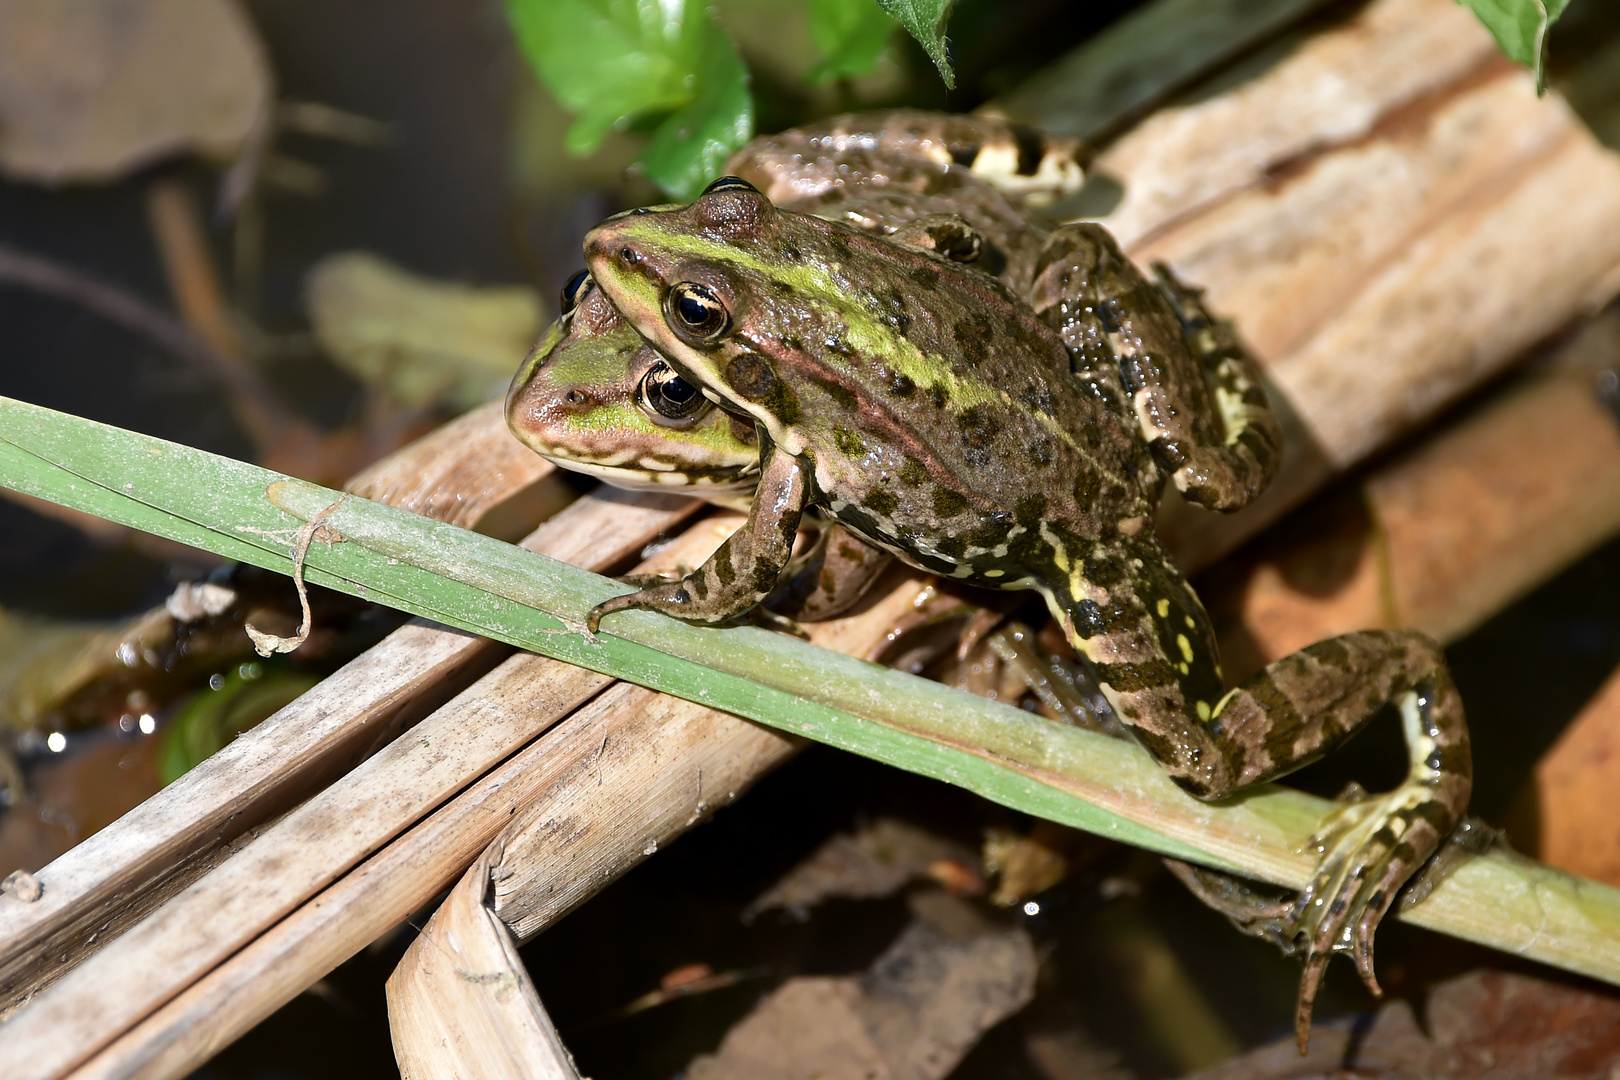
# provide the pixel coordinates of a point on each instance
(1368, 851)
(652, 596)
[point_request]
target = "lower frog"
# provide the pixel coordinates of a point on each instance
(594, 397)
(934, 413)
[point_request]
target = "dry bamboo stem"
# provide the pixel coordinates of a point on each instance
(641, 790)
(456, 999)
(1574, 787)
(1447, 535)
(98, 887)
(288, 862)
(292, 951)
(471, 472)
(1389, 215)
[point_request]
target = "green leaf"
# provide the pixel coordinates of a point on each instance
(492, 588)
(217, 715)
(1520, 28)
(925, 21)
(689, 148)
(610, 61)
(850, 35)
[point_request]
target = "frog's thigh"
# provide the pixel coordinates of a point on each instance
(826, 581)
(1195, 394)
(1307, 703)
(745, 568)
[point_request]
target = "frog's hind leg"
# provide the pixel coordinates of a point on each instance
(1303, 706)
(1195, 393)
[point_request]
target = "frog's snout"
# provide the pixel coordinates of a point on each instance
(607, 248)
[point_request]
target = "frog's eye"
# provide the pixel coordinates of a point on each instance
(730, 183)
(696, 313)
(668, 397)
(574, 290)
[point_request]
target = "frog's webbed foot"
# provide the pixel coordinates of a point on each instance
(1299, 709)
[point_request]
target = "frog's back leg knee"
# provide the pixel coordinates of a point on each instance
(1018, 161)
(1195, 393)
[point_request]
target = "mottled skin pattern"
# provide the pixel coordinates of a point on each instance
(587, 396)
(932, 412)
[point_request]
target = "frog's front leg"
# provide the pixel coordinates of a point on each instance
(744, 570)
(1195, 393)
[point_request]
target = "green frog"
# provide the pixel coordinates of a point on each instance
(1019, 436)
(594, 397)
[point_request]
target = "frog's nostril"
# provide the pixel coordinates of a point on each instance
(630, 256)
(575, 397)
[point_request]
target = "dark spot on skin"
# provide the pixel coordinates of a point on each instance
(1036, 399)
(838, 346)
(843, 395)
(892, 309)
(849, 444)
(839, 244)
(940, 395)
(782, 289)
(790, 251)
(975, 332)
(1130, 678)
(952, 547)
(790, 342)
(913, 473)
(901, 386)
(948, 503)
(978, 427)
(1031, 148)
(926, 277)
(1104, 571)
(964, 155)
(1030, 509)
(881, 502)
(723, 570)
(751, 376)
(1040, 452)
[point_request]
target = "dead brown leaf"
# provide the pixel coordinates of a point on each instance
(877, 861)
(911, 1016)
(1486, 1025)
(96, 88)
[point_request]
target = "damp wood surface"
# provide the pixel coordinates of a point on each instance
(1389, 215)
